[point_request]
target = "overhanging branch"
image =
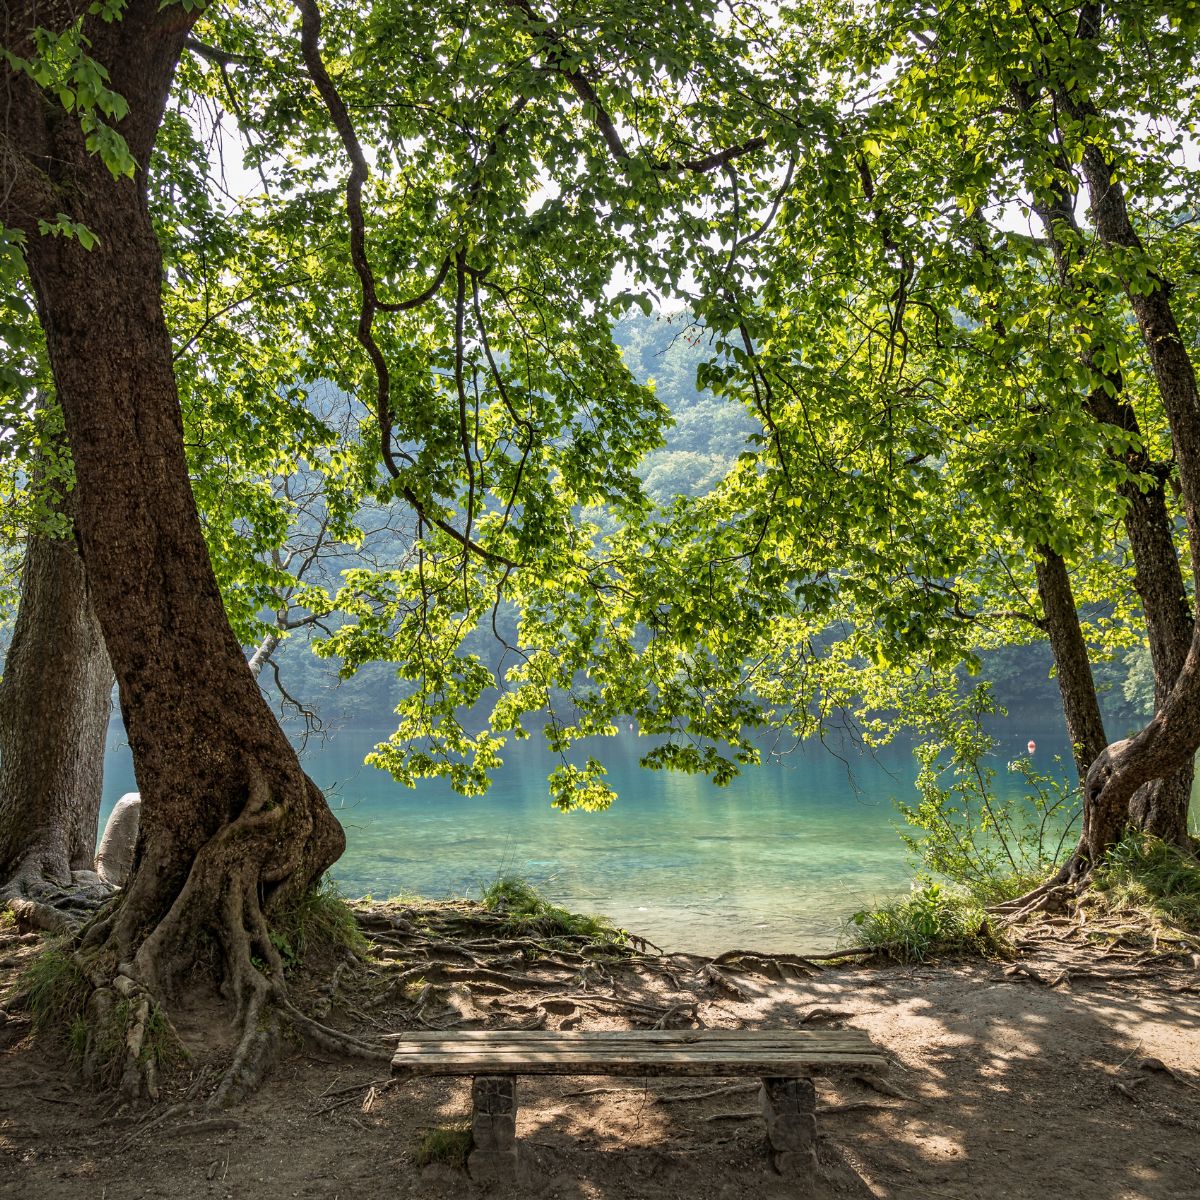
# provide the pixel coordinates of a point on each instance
(310, 43)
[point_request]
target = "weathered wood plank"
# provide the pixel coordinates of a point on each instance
(601, 1053)
(618, 1053)
(651, 1036)
(626, 1047)
(646, 1039)
(637, 1052)
(719, 1066)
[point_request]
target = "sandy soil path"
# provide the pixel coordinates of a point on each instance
(1002, 1086)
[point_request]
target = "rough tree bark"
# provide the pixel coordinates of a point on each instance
(1168, 743)
(1072, 666)
(54, 708)
(231, 826)
(1159, 805)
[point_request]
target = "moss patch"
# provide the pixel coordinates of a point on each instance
(448, 1145)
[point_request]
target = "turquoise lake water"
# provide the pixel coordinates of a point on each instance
(778, 860)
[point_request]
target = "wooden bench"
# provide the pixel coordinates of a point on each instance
(785, 1061)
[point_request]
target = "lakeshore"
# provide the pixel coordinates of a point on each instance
(1061, 1072)
(779, 859)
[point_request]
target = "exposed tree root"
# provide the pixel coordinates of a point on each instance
(1051, 896)
(41, 903)
(442, 967)
(767, 964)
(141, 954)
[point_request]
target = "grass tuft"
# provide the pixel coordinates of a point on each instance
(102, 1042)
(319, 921)
(56, 992)
(527, 911)
(448, 1145)
(934, 921)
(1158, 880)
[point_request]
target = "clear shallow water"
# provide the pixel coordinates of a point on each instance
(778, 860)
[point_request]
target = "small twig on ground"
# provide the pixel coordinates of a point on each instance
(830, 1110)
(823, 1014)
(1157, 1064)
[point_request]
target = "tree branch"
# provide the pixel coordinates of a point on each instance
(222, 58)
(310, 43)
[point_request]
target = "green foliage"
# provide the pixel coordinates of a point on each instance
(995, 846)
(1137, 684)
(1146, 874)
(447, 1145)
(57, 993)
(933, 922)
(319, 922)
(58, 62)
(528, 912)
(886, 418)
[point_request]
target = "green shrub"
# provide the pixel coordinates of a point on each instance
(995, 846)
(1144, 873)
(932, 921)
(320, 920)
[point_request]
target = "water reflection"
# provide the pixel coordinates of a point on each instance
(778, 860)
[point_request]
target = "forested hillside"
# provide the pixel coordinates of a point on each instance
(702, 442)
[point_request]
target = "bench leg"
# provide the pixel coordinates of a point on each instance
(494, 1157)
(790, 1109)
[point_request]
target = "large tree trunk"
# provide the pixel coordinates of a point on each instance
(231, 827)
(1072, 666)
(1160, 805)
(54, 708)
(1168, 744)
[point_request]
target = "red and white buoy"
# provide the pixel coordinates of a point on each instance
(1031, 746)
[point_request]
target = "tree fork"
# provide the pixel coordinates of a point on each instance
(1168, 743)
(1159, 806)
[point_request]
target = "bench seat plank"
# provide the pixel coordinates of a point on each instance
(713, 1052)
(859, 1037)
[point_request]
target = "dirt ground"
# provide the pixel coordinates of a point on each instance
(1008, 1079)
